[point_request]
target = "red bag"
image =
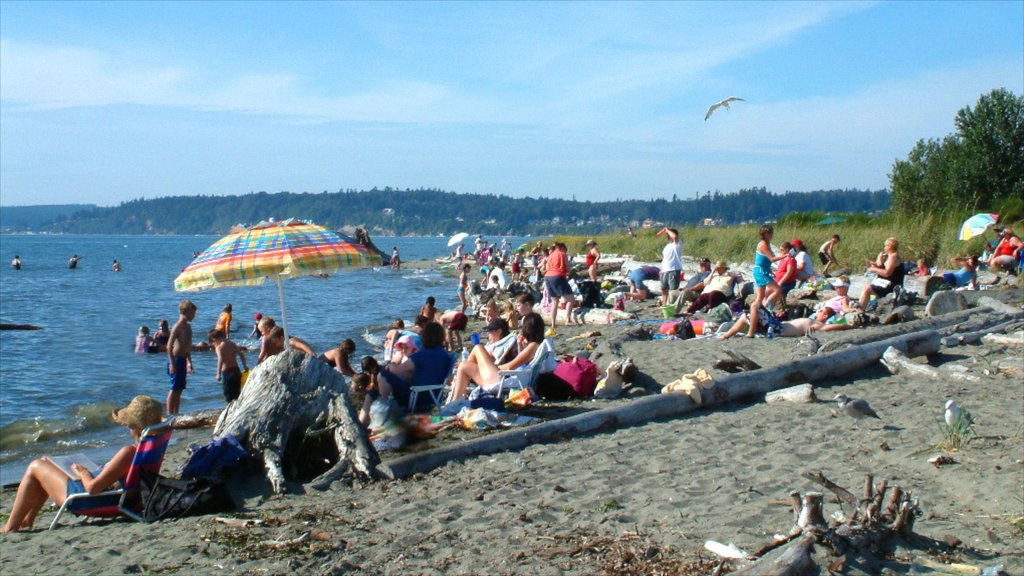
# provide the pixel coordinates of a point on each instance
(580, 374)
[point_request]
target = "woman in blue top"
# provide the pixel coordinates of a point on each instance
(967, 274)
(430, 365)
(765, 289)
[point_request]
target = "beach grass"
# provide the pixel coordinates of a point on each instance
(929, 236)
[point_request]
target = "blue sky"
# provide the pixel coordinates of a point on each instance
(106, 102)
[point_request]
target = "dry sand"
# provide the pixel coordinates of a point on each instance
(639, 500)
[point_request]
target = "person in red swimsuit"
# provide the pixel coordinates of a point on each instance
(593, 255)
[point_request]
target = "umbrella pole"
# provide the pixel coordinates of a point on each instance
(284, 319)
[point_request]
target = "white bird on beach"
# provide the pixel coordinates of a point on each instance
(722, 104)
(952, 412)
(855, 407)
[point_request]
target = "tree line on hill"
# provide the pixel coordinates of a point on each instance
(432, 211)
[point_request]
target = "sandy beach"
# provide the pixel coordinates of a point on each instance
(636, 500)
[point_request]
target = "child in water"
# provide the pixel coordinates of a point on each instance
(227, 365)
(142, 341)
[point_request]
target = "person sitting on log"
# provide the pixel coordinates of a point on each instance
(785, 276)
(483, 369)
(967, 275)
(429, 365)
(714, 289)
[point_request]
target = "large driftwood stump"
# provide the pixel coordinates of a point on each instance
(863, 530)
(294, 412)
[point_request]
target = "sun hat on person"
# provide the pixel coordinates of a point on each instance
(141, 413)
(840, 282)
(257, 316)
(721, 264)
(409, 343)
(496, 324)
(591, 242)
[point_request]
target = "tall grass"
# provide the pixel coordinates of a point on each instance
(927, 236)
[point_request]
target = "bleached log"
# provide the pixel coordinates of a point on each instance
(294, 412)
(803, 393)
(998, 305)
(1015, 340)
(793, 561)
(898, 363)
(197, 419)
(727, 388)
(976, 335)
(811, 514)
(965, 320)
(725, 550)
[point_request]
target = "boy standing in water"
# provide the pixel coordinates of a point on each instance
(227, 366)
(179, 354)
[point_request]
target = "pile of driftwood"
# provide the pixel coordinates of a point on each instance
(864, 529)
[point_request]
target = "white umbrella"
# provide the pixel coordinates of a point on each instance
(457, 238)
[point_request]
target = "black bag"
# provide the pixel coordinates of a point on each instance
(685, 331)
(169, 498)
(591, 294)
(550, 387)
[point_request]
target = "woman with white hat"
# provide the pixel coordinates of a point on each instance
(45, 480)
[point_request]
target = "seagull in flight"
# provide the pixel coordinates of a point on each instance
(723, 104)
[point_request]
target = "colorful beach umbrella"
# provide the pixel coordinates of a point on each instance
(457, 238)
(274, 250)
(976, 225)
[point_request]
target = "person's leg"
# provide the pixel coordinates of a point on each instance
(570, 303)
(715, 298)
(697, 304)
(554, 311)
(42, 480)
(737, 326)
(173, 401)
(865, 296)
(755, 311)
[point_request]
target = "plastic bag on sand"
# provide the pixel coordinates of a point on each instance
(519, 398)
(478, 419)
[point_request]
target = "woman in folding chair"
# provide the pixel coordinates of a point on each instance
(44, 480)
(482, 368)
(429, 365)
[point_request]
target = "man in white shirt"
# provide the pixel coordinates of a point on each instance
(671, 263)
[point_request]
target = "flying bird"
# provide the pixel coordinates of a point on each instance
(722, 104)
(855, 407)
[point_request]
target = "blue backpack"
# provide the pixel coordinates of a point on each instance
(214, 459)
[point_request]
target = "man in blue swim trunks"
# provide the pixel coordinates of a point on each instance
(179, 354)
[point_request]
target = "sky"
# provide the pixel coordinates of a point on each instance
(103, 103)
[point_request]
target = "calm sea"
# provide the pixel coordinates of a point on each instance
(59, 384)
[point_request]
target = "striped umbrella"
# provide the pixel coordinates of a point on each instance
(275, 250)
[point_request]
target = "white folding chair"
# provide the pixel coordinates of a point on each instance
(436, 391)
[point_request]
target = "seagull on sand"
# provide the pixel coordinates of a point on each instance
(953, 412)
(723, 104)
(855, 407)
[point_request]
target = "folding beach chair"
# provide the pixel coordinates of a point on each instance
(149, 456)
(543, 361)
(436, 391)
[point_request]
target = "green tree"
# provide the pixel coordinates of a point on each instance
(978, 167)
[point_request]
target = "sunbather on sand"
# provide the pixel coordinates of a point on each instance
(43, 480)
(797, 327)
(482, 368)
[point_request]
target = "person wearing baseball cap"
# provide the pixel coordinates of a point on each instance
(45, 480)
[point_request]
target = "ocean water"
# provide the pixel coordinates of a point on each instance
(58, 385)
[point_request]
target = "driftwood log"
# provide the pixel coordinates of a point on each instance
(729, 387)
(294, 413)
(964, 320)
(1016, 339)
(976, 335)
(801, 394)
(863, 529)
(20, 327)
